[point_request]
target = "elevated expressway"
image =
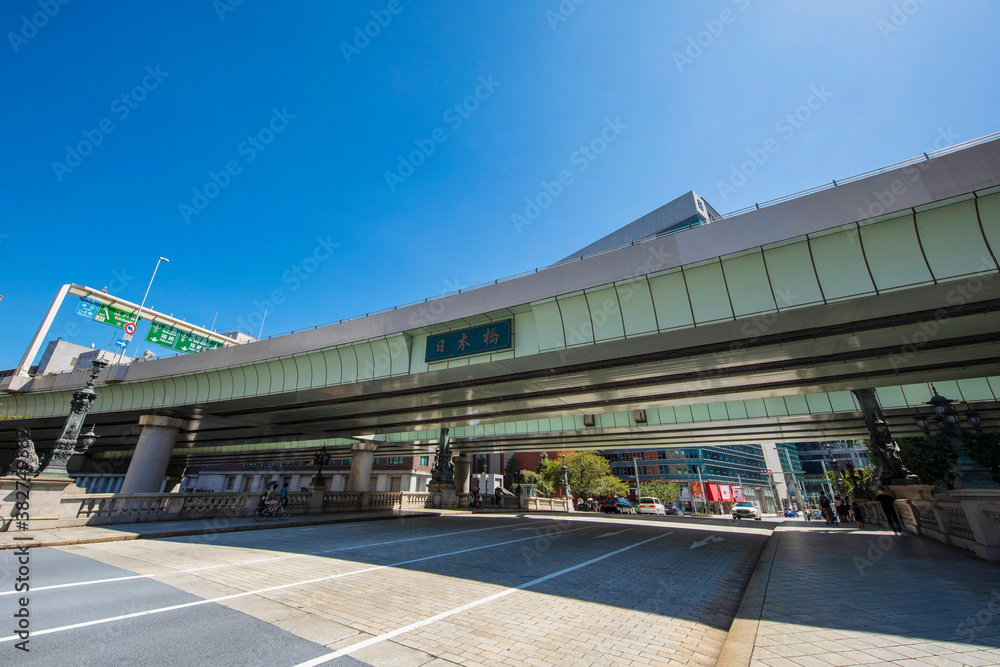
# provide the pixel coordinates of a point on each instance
(752, 329)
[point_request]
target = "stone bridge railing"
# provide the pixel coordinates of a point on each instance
(109, 508)
(969, 519)
(56, 503)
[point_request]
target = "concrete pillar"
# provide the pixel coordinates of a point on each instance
(463, 466)
(152, 453)
(255, 484)
(362, 458)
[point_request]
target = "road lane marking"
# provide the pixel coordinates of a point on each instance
(243, 563)
(610, 534)
(707, 540)
(458, 610)
(269, 589)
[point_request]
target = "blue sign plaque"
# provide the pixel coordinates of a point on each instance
(493, 337)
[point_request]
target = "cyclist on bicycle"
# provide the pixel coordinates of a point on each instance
(271, 497)
(283, 495)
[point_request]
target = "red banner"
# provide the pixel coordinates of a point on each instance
(727, 496)
(738, 494)
(713, 493)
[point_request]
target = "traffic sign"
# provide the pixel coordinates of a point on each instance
(129, 330)
(161, 334)
(116, 317)
(87, 308)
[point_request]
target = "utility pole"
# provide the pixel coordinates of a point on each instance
(638, 491)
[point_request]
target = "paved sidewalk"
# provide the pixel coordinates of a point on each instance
(56, 537)
(836, 596)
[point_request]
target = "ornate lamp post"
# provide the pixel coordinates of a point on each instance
(443, 470)
(565, 475)
(835, 467)
(968, 473)
(65, 447)
(320, 459)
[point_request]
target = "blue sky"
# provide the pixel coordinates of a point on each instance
(310, 117)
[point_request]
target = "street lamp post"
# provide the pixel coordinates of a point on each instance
(320, 459)
(565, 475)
(143, 303)
(65, 446)
(835, 466)
(968, 473)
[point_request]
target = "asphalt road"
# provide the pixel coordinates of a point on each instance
(421, 591)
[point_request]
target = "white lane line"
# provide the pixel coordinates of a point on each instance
(241, 563)
(610, 534)
(458, 610)
(197, 603)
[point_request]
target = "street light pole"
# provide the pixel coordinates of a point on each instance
(65, 446)
(968, 473)
(138, 315)
(565, 474)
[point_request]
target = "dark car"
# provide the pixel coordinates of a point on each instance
(673, 510)
(618, 506)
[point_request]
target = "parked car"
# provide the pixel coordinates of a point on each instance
(746, 510)
(651, 506)
(673, 510)
(792, 514)
(617, 506)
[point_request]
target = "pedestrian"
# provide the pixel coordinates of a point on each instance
(497, 495)
(826, 509)
(856, 508)
(838, 506)
(886, 501)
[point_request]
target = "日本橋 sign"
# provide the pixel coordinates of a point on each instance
(493, 337)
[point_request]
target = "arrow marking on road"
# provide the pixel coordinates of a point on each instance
(701, 543)
(610, 534)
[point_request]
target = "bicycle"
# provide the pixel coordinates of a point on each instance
(263, 511)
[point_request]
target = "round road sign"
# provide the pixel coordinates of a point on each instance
(130, 328)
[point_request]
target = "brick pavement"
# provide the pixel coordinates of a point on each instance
(845, 597)
(661, 603)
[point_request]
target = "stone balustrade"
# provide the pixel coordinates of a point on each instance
(968, 518)
(58, 503)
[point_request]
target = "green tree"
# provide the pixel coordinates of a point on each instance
(930, 459)
(985, 450)
(608, 485)
(510, 473)
(551, 472)
(480, 465)
(667, 492)
(586, 470)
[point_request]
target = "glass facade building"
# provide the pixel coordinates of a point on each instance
(729, 465)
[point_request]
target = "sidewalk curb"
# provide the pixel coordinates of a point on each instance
(738, 647)
(113, 536)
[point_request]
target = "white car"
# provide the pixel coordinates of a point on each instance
(746, 510)
(651, 506)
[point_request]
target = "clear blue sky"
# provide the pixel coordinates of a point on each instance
(312, 217)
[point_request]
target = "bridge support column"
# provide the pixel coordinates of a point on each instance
(463, 466)
(152, 454)
(362, 457)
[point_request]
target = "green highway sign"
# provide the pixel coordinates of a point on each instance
(114, 316)
(162, 334)
(191, 342)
